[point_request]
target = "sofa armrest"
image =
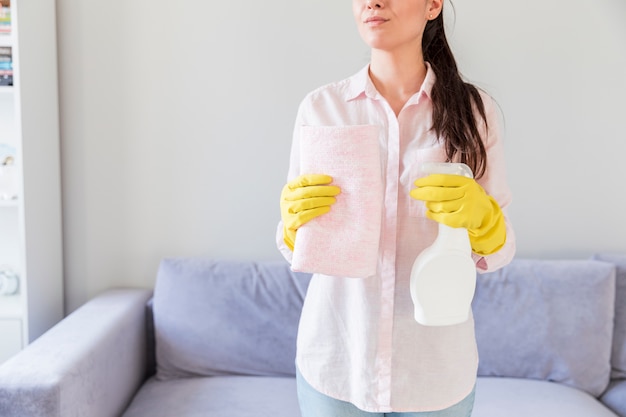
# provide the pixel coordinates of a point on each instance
(89, 364)
(615, 397)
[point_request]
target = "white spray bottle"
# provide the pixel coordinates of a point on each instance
(443, 278)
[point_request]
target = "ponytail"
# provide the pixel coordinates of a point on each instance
(454, 102)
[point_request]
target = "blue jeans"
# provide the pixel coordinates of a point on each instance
(316, 404)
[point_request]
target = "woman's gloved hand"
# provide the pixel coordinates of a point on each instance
(302, 199)
(458, 201)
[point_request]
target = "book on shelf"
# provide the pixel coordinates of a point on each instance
(6, 66)
(5, 16)
(6, 79)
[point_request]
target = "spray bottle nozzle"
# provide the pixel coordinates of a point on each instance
(450, 168)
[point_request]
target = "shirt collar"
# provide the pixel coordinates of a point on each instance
(360, 85)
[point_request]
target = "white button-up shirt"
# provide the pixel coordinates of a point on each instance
(358, 340)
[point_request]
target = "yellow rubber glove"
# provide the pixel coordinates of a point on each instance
(458, 201)
(302, 199)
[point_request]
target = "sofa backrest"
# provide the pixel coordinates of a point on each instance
(541, 319)
(220, 317)
(549, 320)
(619, 336)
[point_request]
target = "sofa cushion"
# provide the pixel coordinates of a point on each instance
(615, 397)
(511, 397)
(618, 359)
(248, 396)
(221, 396)
(548, 320)
(225, 317)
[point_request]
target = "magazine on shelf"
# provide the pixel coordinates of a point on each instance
(5, 16)
(6, 66)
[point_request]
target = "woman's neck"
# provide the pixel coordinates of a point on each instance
(397, 76)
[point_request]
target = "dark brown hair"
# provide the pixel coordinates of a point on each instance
(454, 102)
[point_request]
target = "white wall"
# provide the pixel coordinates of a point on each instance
(559, 73)
(176, 122)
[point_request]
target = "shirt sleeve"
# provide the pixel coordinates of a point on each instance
(495, 184)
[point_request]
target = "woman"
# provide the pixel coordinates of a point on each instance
(360, 351)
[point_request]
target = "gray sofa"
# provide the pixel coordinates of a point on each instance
(217, 339)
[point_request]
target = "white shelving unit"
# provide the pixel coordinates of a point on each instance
(30, 226)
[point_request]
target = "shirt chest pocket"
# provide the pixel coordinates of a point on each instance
(412, 162)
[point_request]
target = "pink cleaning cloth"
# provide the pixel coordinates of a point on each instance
(345, 241)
